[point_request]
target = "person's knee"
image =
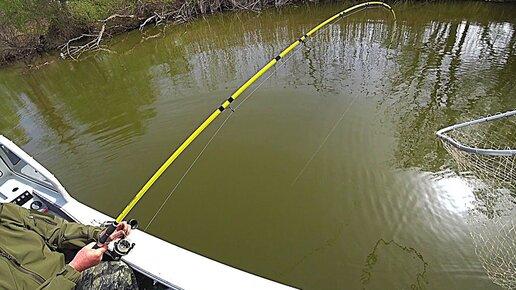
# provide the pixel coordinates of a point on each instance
(108, 275)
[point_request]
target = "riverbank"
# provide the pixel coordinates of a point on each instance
(29, 28)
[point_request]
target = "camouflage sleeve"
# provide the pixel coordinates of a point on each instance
(57, 233)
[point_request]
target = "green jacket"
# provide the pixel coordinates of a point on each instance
(29, 245)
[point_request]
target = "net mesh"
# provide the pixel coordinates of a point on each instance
(493, 181)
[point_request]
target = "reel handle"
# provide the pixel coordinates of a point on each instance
(104, 235)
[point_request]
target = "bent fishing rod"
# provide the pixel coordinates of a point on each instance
(112, 226)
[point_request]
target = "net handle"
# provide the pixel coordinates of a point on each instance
(441, 134)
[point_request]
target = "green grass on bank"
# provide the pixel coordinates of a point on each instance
(92, 10)
(31, 26)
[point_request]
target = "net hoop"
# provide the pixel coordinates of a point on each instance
(486, 157)
(484, 151)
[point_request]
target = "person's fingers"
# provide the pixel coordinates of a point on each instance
(100, 251)
(127, 229)
(122, 230)
(117, 235)
(90, 245)
(123, 226)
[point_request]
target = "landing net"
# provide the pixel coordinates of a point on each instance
(485, 151)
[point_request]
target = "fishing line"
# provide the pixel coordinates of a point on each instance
(276, 69)
(215, 134)
(324, 141)
(227, 104)
(186, 172)
(335, 125)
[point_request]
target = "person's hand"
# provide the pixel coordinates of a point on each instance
(88, 257)
(122, 230)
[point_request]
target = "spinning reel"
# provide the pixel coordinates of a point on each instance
(122, 246)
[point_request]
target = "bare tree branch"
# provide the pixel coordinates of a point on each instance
(72, 51)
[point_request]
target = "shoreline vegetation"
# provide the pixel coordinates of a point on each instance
(30, 27)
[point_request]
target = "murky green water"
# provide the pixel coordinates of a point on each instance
(314, 175)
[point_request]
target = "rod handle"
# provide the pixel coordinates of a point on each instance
(104, 235)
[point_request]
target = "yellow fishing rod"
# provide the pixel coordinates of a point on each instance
(226, 104)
